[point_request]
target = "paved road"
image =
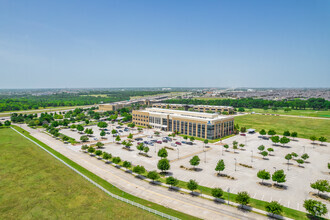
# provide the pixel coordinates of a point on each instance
(195, 206)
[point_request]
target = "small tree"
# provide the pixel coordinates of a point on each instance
(322, 139)
(217, 193)
(274, 208)
(172, 181)
(220, 166)
(185, 137)
(118, 138)
(288, 157)
(106, 156)
(294, 135)
(226, 146)
(84, 138)
(113, 131)
(99, 144)
(284, 140)
(194, 161)
(270, 150)
(80, 128)
(192, 139)
(263, 175)
(153, 175)
(264, 154)
(271, 132)
(140, 147)
(242, 146)
(243, 129)
(262, 132)
(294, 155)
(261, 148)
(242, 198)
(304, 156)
(7, 123)
(315, 208)
(192, 185)
(286, 133)
(162, 153)
(321, 186)
(91, 150)
(139, 169)
(235, 147)
(206, 142)
(275, 139)
(300, 161)
(130, 136)
(127, 164)
(164, 165)
(313, 138)
(279, 176)
(102, 133)
(146, 150)
(98, 153)
(116, 160)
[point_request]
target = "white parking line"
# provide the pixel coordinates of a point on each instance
(254, 195)
(270, 199)
(288, 204)
(297, 206)
(262, 197)
(279, 200)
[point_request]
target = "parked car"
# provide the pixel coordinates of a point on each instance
(118, 127)
(189, 143)
(243, 134)
(95, 139)
(120, 130)
(107, 132)
(138, 139)
(165, 141)
(173, 145)
(149, 136)
(146, 142)
(158, 142)
(115, 135)
(178, 143)
(153, 141)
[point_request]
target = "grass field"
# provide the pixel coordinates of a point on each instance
(307, 112)
(34, 185)
(306, 127)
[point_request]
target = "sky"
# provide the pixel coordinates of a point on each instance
(186, 43)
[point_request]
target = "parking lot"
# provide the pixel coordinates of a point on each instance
(298, 179)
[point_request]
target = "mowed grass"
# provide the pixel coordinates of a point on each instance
(34, 185)
(306, 127)
(307, 112)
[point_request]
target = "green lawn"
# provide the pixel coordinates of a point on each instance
(34, 185)
(307, 112)
(305, 127)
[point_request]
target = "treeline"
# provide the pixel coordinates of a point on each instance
(314, 103)
(27, 102)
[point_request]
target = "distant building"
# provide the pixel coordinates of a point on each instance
(198, 108)
(198, 124)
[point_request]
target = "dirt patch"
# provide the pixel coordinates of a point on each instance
(225, 175)
(320, 196)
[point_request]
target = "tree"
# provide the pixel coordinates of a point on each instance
(162, 153)
(220, 166)
(98, 153)
(114, 131)
(91, 150)
(194, 161)
(7, 123)
(172, 181)
(275, 139)
(262, 132)
(242, 198)
(127, 164)
(235, 147)
(118, 138)
(263, 175)
(315, 208)
(274, 208)
(270, 150)
(206, 142)
(156, 133)
(243, 129)
(300, 161)
(284, 140)
(217, 193)
(163, 165)
(102, 124)
(99, 144)
(185, 137)
(130, 136)
(294, 134)
(271, 132)
(102, 133)
(192, 139)
(106, 156)
(226, 146)
(304, 156)
(84, 147)
(321, 139)
(288, 157)
(84, 138)
(321, 186)
(261, 148)
(313, 138)
(294, 155)
(139, 169)
(80, 128)
(279, 176)
(116, 160)
(192, 185)
(242, 146)
(140, 147)
(153, 175)
(146, 150)
(286, 133)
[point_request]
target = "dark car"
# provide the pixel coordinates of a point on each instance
(189, 143)
(120, 130)
(158, 142)
(178, 143)
(243, 134)
(138, 139)
(184, 142)
(165, 141)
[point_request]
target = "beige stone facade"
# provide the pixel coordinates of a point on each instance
(197, 108)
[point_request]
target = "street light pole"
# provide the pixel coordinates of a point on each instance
(228, 194)
(204, 155)
(178, 153)
(304, 148)
(252, 156)
(235, 163)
